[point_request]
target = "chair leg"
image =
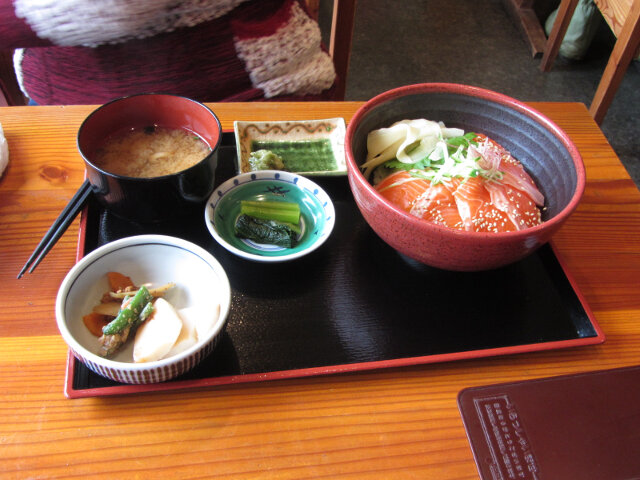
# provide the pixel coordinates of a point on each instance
(524, 17)
(340, 41)
(623, 52)
(563, 19)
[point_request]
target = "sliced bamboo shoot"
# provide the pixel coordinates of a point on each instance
(154, 291)
(156, 336)
(111, 309)
(188, 336)
(206, 320)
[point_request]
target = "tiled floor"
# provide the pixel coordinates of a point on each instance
(475, 42)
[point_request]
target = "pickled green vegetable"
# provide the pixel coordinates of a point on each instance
(264, 231)
(287, 212)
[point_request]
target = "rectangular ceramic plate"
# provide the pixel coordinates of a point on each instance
(301, 137)
(356, 304)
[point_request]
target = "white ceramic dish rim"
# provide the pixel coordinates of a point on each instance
(339, 155)
(78, 268)
(282, 176)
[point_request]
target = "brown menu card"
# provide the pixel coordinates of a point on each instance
(582, 426)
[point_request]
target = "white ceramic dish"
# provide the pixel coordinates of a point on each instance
(316, 208)
(201, 285)
(324, 137)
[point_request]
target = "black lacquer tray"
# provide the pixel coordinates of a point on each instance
(355, 304)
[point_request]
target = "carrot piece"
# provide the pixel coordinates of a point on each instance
(95, 321)
(118, 281)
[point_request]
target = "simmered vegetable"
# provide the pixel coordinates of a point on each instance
(265, 231)
(126, 309)
(119, 282)
(155, 337)
(129, 313)
(95, 322)
(134, 312)
(110, 344)
(144, 314)
(153, 291)
(109, 309)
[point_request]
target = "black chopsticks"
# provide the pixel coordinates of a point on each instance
(58, 228)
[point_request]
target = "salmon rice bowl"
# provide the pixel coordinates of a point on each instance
(449, 177)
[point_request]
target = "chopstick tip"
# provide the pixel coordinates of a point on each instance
(58, 228)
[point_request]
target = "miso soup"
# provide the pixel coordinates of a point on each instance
(151, 152)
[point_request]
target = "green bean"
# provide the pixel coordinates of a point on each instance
(144, 314)
(129, 314)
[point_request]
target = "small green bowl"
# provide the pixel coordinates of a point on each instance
(316, 209)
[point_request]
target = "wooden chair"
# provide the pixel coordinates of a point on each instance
(623, 17)
(340, 42)
(524, 17)
(339, 49)
(341, 38)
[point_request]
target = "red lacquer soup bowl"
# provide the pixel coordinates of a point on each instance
(545, 151)
(155, 198)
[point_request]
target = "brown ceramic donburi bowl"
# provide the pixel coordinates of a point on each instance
(157, 198)
(545, 151)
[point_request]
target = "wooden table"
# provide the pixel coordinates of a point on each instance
(395, 423)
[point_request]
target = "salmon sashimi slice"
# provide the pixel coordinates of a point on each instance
(438, 205)
(517, 205)
(515, 176)
(491, 219)
(434, 203)
(401, 189)
(470, 197)
(495, 157)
